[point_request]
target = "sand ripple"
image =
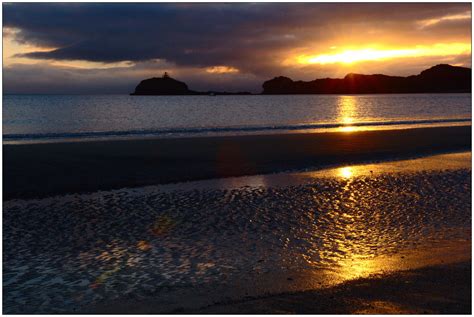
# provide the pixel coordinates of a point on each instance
(64, 253)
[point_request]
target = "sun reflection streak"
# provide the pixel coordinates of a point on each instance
(348, 129)
(360, 266)
(346, 172)
(347, 109)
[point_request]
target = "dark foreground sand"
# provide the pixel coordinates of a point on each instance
(444, 289)
(40, 170)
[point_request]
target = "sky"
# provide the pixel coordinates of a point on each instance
(95, 48)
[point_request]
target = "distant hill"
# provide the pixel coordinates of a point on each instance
(441, 78)
(169, 86)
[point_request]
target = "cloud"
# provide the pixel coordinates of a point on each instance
(198, 34)
(43, 77)
(254, 39)
(466, 16)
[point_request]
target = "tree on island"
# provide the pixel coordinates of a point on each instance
(165, 75)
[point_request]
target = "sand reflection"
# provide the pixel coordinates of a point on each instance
(436, 162)
(360, 266)
(346, 172)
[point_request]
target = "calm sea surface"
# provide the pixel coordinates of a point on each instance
(39, 118)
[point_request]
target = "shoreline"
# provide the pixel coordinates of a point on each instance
(42, 170)
(439, 289)
(187, 133)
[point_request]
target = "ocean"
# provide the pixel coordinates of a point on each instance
(49, 118)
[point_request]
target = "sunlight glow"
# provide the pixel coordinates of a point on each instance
(221, 69)
(346, 172)
(348, 129)
(11, 48)
(347, 120)
(350, 56)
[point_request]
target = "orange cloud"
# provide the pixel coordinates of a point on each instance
(221, 70)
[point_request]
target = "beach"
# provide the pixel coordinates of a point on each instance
(378, 237)
(237, 158)
(438, 289)
(41, 170)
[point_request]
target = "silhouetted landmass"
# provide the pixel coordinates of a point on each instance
(438, 79)
(441, 78)
(170, 86)
(162, 86)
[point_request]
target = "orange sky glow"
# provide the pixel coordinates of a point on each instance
(362, 40)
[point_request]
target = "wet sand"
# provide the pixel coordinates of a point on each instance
(219, 245)
(41, 170)
(442, 289)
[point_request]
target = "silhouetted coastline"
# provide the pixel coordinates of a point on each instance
(437, 79)
(442, 78)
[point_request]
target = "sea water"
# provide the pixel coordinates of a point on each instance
(45, 118)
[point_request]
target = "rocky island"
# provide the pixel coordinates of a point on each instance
(169, 86)
(162, 86)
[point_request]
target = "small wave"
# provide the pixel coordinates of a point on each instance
(204, 130)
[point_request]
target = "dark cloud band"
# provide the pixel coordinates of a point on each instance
(197, 34)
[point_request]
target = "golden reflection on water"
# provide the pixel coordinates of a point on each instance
(360, 258)
(349, 129)
(437, 162)
(346, 172)
(358, 266)
(347, 109)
